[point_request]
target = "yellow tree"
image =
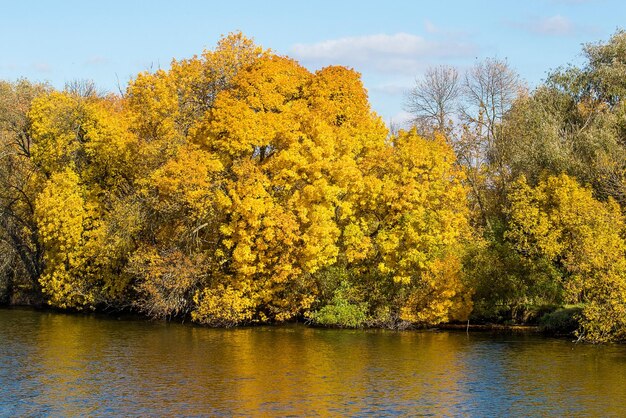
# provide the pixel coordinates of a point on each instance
(83, 147)
(181, 189)
(421, 224)
(290, 140)
(166, 104)
(252, 125)
(177, 249)
(560, 221)
(60, 213)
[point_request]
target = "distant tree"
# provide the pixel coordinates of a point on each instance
(469, 109)
(83, 88)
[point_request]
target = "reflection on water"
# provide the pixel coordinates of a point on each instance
(67, 365)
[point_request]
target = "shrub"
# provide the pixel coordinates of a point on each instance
(342, 311)
(562, 321)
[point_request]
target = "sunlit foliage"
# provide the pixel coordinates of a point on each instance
(238, 187)
(560, 221)
(230, 186)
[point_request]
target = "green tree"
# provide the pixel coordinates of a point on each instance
(574, 123)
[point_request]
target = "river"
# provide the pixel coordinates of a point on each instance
(57, 364)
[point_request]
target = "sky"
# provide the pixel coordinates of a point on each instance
(390, 43)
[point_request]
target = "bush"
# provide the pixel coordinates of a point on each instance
(484, 313)
(531, 314)
(562, 321)
(506, 286)
(342, 311)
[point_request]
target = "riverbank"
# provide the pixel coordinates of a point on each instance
(135, 316)
(522, 328)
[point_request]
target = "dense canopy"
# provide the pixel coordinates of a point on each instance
(235, 187)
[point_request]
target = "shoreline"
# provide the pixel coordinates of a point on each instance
(492, 327)
(135, 316)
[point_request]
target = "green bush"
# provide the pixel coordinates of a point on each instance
(342, 315)
(562, 321)
(342, 311)
(484, 313)
(507, 287)
(529, 314)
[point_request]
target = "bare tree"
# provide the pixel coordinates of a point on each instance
(433, 99)
(17, 188)
(469, 109)
(489, 89)
(84, 88)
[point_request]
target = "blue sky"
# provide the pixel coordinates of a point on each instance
(389, 42)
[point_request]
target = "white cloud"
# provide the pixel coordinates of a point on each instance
(402, 53)
(42, 67)
(97, 60)
(556, 25)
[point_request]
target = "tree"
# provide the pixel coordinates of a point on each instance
(83, 149)
(181, 192)
(167, 104)
(421, 222)
(469, 110)
(433, 100)
(489, 89)
(20, 182)
(574, 123)
(60, 213)
(561, 222)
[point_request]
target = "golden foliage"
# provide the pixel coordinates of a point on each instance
(562, 222)
(227, 186)
(60, 213)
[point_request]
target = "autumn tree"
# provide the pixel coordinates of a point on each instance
(20, 182)
(417, 225)
(180, 192)
(562, 223)
(283, 189)
(83, 150)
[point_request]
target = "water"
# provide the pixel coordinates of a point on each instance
(71, 365)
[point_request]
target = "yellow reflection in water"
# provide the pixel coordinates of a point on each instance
(82, 365)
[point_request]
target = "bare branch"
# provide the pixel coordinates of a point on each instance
(433, 99)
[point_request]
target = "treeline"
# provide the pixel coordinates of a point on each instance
(237, 187)
(546, 174)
